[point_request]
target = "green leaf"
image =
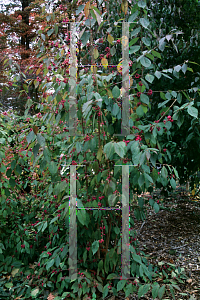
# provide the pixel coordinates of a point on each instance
(141, 4)
(64, 252)
(79, 9)
(165, 75)
(120, 148)
(134, 49)
(85, 37)
(135, 31)
(41, 140)
(144, 22)
(161, 292)
(139, 111)
(49, 264)
(56, 29)
(12, 182)
(109, 149)
(97, 10)
(81, 215)
(157, 54)
(60, 187)
(164, 172)
(133, 16)
(155, 289)
(143, 290)
(17, 263)
(47, 154)
(2, 140)
(149, 78)
(192, 111)
(57, 261)
(176, 287)
(100, 265)
(35, 292)
(48, 18)
(18, 169)
(43, 36)
(53, 168)
(27, 247)
(156, 207)
(162, 44)
(175, 172)
(172, 291)
(136, 258)
(54, 219)
(145, 62)
(36, 149)
(146, 41)
(121, 284)
(140, 291)
(133, 41)
(100, 287)
(30, 136)
(49, 32)
(174, 94)
(129, 290)
(154, 173)
(115, 109)
(95, 247)
(9, 285)
(163, 103)
(144, 98)
(78, 147)
(112, 276)
(141, 180)
(8, 173)
(13, 164)
(85, 256)
(2, 246)
(86, 108)
(177, 68)
(158, 74)
(116, 92)
(105, 290)
(173, 183)
(184, 68)
(44, 226)
(148, 177)
(113, 51)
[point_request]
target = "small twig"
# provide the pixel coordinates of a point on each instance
(141, 228)
(179, 247)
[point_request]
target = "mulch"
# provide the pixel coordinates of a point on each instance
(172, 236)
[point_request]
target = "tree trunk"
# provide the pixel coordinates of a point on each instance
(187, 186)
(25, 42)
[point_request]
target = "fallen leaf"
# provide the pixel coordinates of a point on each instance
(159, 279)
(50, 297)
(18, 297)
(189, 280)
(14, 271)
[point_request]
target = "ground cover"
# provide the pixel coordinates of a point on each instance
(169, 240)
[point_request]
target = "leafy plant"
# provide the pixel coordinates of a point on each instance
(45, 155)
